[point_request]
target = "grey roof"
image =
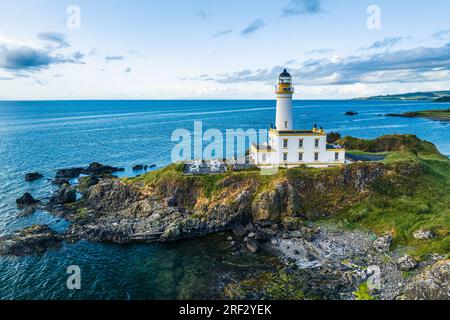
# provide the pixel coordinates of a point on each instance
(285, 74)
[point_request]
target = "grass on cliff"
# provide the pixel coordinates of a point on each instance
(402, 205)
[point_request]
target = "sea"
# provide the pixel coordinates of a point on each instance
(43, 136)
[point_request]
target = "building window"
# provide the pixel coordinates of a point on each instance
(264, 157)
(285, 156)
(285, 143)
(285, 124)
(300, 156)
(300, 143)
(317, 143)
(336, 156)
(316, 156)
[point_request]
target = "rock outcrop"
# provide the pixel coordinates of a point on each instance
(178, 207)
(33, 176)
(29, 241)
(431, 284)
(26, 200)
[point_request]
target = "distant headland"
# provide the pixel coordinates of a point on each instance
(432, 96)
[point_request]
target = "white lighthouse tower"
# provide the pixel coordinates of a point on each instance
(288, 147)
(284, 91)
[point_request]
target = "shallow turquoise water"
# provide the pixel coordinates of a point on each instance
(44, 136)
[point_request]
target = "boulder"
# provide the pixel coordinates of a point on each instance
(351, 113)
(291, 223)
(383, 243)
(432, 284)
(239, 231)
(33, 240)
(261, 235)
(406, 263)
(87, 182)
(140, 167)
(252, 245)
(423, 234)
(96, 168)
(33, 176)
(28, 211)
(66, 194)
(26, 200)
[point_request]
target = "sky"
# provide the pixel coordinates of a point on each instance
(221, 49)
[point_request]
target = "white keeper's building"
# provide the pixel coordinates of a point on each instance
(287, 147)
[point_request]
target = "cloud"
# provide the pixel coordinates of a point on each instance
(403, 66)
(114, 58)
(253, 27)
(290, 62)
(300, 7)
(18, 59)
(32, 59)
(222, 33)
(386, 43)
(54, 38)
(441, 34)
(319, 51)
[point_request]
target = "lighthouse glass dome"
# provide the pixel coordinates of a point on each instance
(285, 77)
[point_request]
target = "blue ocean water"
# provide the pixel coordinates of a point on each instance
(44, 136)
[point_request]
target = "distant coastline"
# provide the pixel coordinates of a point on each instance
(431, 96)
(439, 115)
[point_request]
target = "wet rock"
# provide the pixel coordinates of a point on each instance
(87, 182)
(423, 234)
(406, 263)
(33, 240)
(94, 168)
(230, 238)
(239, 231)
(66, 194)
(99, 169)
(26, 200)
(431, 284)
(383, 243)
(252, 245)
(351, 113)
(140, 167)
(61, 181)
(33, 176)
(28, 211)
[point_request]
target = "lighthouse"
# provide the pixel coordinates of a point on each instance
(289, 147)
(284, 91)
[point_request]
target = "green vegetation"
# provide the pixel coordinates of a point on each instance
(403, 203)
(363, 293)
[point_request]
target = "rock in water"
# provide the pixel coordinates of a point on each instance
(351, 113)
(66, 194)
(140, 167)
(26, 200)
(33, 176)
(432, 284)
(33, 240)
